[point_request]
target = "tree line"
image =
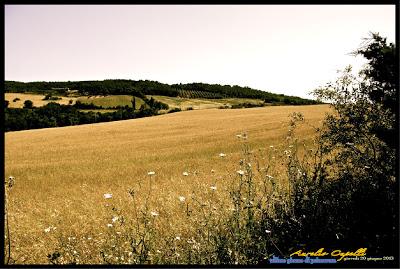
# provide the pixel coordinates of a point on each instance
(140, 88)
(57, 115)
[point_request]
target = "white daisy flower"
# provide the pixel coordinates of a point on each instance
(185, 174)
(182, 199)
(214, 188)
(109, 225)
(154, 213)
(114, 219)
(268, 231)
(222, 155)
(151, 173)
(240, 172)
(107, 196)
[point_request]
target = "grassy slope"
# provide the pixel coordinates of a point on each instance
(123, 100)
(111, 101)
(201, 103)
(62, 173)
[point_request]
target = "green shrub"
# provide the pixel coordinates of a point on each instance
(176, 109)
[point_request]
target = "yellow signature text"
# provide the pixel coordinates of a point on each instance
(335, 253)
(338, 253)
(319, 253)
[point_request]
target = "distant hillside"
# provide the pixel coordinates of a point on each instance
(146, 87)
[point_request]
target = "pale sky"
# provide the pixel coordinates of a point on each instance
(289, 49)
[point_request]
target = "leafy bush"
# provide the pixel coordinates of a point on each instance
(80, 105)
(28, 104)
(246, 105)
(175, 109)
(344, 192)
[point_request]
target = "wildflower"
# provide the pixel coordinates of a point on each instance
(154, 213)
(249, 204)
(151, 173)
(240, 172)
(185, 174)
(11, 181)
(47, 230)
(214, 188)
(182, 199)
(212, 170)
(178, 238)
(109, 225)
(222, 155)
(89, 238)
(114, 219)
(107, 196)
(271, 146)
(290, 146)
(270, 177)
(268, 231)
(239, 136)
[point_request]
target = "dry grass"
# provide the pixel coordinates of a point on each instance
(62, 173)
(202, 103)
(37, 99)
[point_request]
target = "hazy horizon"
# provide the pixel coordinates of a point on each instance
(288, 49)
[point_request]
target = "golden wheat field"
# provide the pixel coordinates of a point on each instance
(37, 99)
(62, 174)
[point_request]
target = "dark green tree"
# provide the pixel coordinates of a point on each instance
(28, 104)
(380, 79)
